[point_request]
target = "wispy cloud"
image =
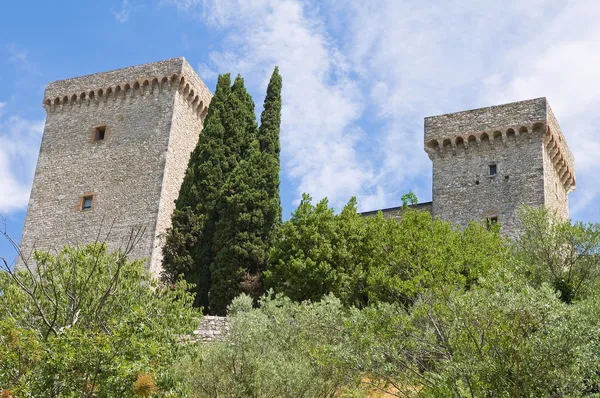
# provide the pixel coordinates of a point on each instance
(359, 77)
(321, 103)
(19, 145)
(20, 58)
(123, 14)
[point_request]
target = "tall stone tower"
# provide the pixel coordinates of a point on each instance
(113, 155)
(488, 162)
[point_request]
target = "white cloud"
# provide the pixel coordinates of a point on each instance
(385, 65)
(2, 105)
(561, 63)
(123, 14)
(321, 104)
(19, 147)
(20, 58)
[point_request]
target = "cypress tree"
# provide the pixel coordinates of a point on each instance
(249, 209)
(228, 206)
(188, 244)
(268, 137)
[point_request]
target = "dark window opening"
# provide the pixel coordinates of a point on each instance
(100, 133)
(476, 182)
(493, 170)
(491, 221)
(86, 203)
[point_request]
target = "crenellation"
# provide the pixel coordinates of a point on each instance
(152, 116)
(487, 162)
(522, 140)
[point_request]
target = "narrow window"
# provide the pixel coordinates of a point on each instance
(86, 202)
(491, 221)
(100, 133)
(493, 170)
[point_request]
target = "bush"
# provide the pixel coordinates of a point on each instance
(86, 323)
(282, 349)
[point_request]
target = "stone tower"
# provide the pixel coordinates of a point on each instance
(113, 155)
(488, 162)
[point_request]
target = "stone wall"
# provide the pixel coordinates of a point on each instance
(396, 212)
(211, 328)
(152, 116)
(522, 140)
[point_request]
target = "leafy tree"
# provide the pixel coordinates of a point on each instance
(563, 254)
(504, 339)
(315, 254)
(409, 198)
(87, 323)
(363, 260)
(418, 252)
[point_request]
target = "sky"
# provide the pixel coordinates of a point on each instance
(359, 77)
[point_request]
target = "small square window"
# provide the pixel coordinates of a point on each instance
(492, 221)
(100, 133)
(86, 202)
(493, 170)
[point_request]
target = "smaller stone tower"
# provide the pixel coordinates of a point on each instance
(488, 162)
(113, 155)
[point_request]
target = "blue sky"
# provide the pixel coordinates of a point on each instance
(359, 77)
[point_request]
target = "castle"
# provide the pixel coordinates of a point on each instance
(116, 146)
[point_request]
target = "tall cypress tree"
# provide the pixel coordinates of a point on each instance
(228, 206)
(188, 245)
(270, 148)
(249, 210)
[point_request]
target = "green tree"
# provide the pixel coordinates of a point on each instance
(228, 207)
(416, 253)
(189, 241)
(86, 323)
(315, 253)
(408, 199)
(270, 148)
(502, 339)
(563, 254)
(363, 260)
(249, 209)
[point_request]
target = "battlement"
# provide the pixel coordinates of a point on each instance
(144, 79)
(498, 125)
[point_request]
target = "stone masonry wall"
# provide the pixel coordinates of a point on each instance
(211, 328)
(396, 212)
(522, 140)
(185, 129)
(152, 117)
(463, 190)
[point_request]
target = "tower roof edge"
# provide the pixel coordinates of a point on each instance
(139, 73)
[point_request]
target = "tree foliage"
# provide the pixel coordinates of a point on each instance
(188, 247)
(283, 349)
(86, 323)
(364, 260)
(228, 207)
(558, 252)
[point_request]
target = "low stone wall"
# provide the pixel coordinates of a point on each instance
(211, 328)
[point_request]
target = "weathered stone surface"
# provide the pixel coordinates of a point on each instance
(534, 165)
(153, 115)
(211, 328)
